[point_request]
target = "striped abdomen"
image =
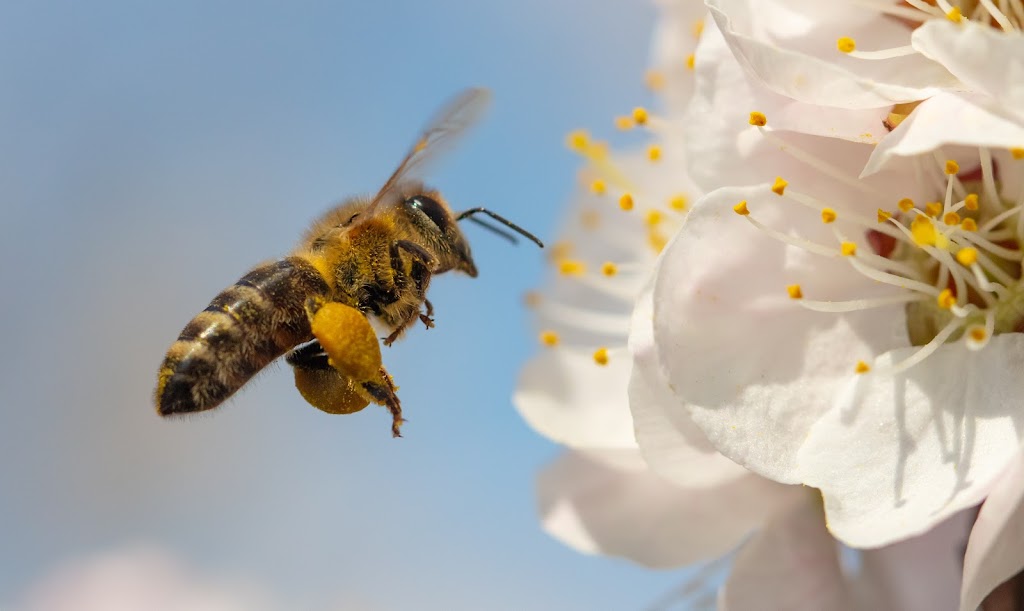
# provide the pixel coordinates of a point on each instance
(244, 328)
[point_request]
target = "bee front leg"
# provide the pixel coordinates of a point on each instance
(419, 273)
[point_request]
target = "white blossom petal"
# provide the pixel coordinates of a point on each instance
(754, 369)
(994, 551)
(919, 446)
(609, 502)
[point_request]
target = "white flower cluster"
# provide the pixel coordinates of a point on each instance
(819, 267)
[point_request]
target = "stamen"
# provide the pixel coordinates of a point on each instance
(779, 187)
(760, 120)
(862, 367)
(988, 178)
(828, 215)
(794, 291)
(946, 300)
(640, 115)
(1017, 153)
(677, 203)
(846, 44)
(691, 61)
(906, 204)
(955, 15)
(969, 224)
(572, 267)
(601, 356)
(577, 140)
(549, 338)
(624, 123)
(926, 350)
(654, 152)
(883, 216)
(967, 256)
(997, 219)
(599, 187)
(856, 305)
(848, 249)
(971, 202)
(951, 218)
(655, 80)
(626, 201)
(609, 269)
(741, 208)
(933, 209)
(952, 167)
(653, 218)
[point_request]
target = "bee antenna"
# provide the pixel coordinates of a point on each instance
(468, 214)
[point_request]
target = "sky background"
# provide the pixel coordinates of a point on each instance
(150, 155)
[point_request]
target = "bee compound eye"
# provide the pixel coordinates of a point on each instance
(429, 206)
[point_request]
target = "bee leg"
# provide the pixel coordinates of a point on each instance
(384, 394)
(420, 274)
(427, 318)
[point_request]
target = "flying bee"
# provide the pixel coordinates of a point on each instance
(365, 257)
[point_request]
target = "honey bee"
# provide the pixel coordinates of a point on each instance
(367, 257)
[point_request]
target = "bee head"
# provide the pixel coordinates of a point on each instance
(433, 220)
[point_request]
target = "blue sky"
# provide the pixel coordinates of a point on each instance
(151, 155)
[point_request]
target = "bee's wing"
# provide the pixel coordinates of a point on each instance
(440, 135)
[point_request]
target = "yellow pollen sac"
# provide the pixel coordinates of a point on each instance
(348, 339)
(654, 152)
(846, 44)
(656, 240)
(590, 219)
(741, 208)
(626, 201)
(598, 186)
(571, 267)
(969, 224)
(779, 187)
(758, 118)
(978, 334)
(601, 356)
(624, 123)
(848, 249)
(677, 203)
(933, 209)
(828, 215)
(609, 268)
(691, 61)
(549, 338)
(698, 28)
(923, 231)
(653, 217)
(577, 140)
(640, 115)
(967, 256)
(654, 80)
(946, 300)
(883, 216)
(906, 204)
(862, 367)
(1017, 153)
(955, 15)
(951, 218)
(952, 167)
(531, 299)
(794, 291)
(971, 201)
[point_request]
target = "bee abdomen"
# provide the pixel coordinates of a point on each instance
(245, 327)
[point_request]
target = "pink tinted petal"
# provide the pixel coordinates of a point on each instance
(610, 503)
(919, 574)
(670, 442)
(822, 75)
(754, 369)
(564, 395)
(995, 551)
(948, 118)
(985, 59)
(790, 565)
(918, 447)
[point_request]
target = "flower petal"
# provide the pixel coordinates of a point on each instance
(919, 446)
(754, 369)
(843, 82)
(994, 551)
(609, 502)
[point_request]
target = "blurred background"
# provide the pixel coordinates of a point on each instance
(149, 156)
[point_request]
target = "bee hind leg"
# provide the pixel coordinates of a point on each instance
(384, 394)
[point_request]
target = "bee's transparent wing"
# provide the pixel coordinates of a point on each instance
(441, 134)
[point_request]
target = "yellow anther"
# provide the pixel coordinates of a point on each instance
(624, 123)
(846, 44)
(655, 80)
(923, 231)
(758, 118)
(640, 115)
(549, 338)
(561, 250)
(967, 256)
(828, 215)
(656, 240)
(969, 224)
(653, 217)
(848, 249)
(741, 208)
(906, 204)
(794, 291)
(626, 201)
(654, 152)
(572, 267)
(598, 186)
(933, 209)
(883, 216)
(1017, 152)
(978, 333)
(677, 203)
(698, 28)
(862, 367)
(952, 167)
(531, 299)
(951, 218)
(578, 140)
(601, 356)
(691, 61)
(955, 15)
(946, 300)
(779, 187)
(590, 219)
(609, 269)
(971, 201)
(598, 150)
